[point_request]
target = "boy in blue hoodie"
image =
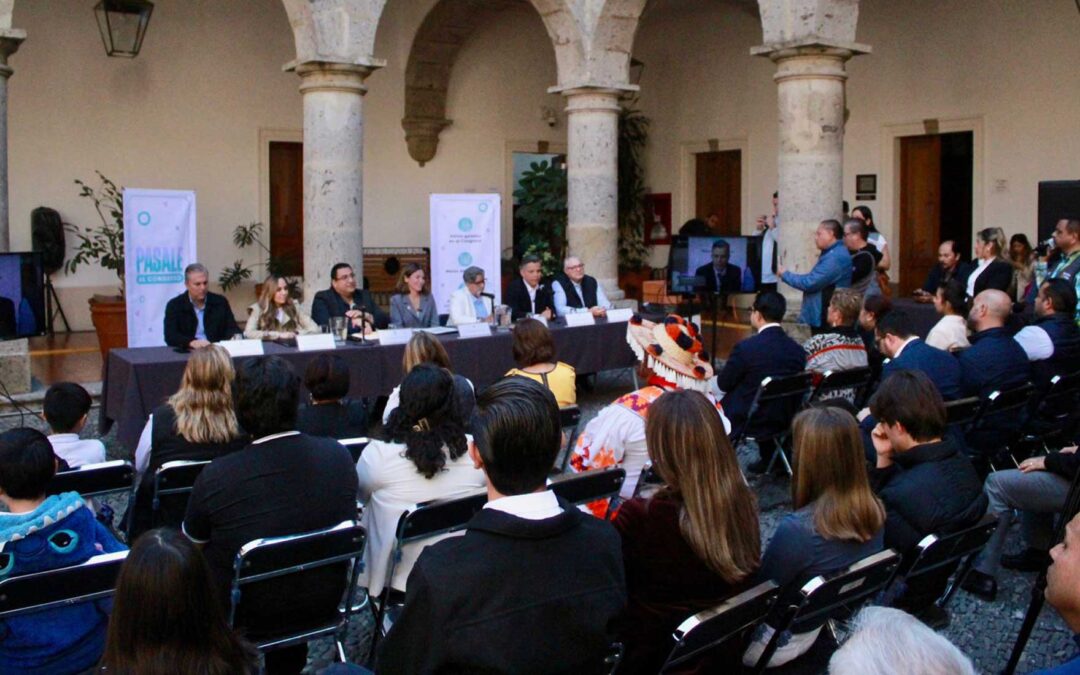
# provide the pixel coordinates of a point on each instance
(42, 533)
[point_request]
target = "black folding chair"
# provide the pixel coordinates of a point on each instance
(94, 480)
(355, 446)
(172, 483)
(836, 596)
(1055, 414)
(728, 621)
(1000, 404)
(589, 486)
(648, 480)
(962, 413)
(92, 580)
(938, 551)
(842, 383)
(569, 419)
(776, 392)
(262, 565)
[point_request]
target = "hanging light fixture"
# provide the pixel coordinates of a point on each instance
(123, 25)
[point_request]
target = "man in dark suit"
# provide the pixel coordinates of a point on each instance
(534, 583)
(769, 353)
(526, 294)
(907, 352)
(7, 318)
(949, 267)
(197, 317)
(343, 298)
(720, 276)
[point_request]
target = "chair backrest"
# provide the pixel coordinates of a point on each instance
(792, 390)
(582, 488)
(1003, 401)
(355, 446)
(855, 379)
(91, 580)
(844, 591)
(962, 412)
(713, 627)
(569, 419)
(91, 480)
(173, 482)
(648, 479)
(939, 550)
(1061, 396)
(440, 516)
(570, 416)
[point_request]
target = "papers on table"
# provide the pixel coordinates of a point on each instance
(580, 319)
(619, 315)
(439, 330)
(473, 330)
(315, 343)
(242, 347)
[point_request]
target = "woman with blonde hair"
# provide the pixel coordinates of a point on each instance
(426, 348)
(413, 306)
(197, 423)
(837, 520)
(693, 543)
(991, 269)
(275, 316)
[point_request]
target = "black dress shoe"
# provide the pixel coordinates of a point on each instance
(1028, 560)
(981, 585)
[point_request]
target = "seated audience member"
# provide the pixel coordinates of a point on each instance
(1038, 489)
(534, 354)
(670, 357)
(1022, 258)
(283, 483)
(1067, 265)
(423, 458)
(692, 544)
(1063, 588)
(275, 316)
(768, 353)
(1052, 343)
(166, 616)
(721, 276)
(864, 257)
(65, 409)
(991, 269)
(837, 520)
(330, 413)
(874, 308)
(469, 304)
(950, 333)
(994, 361)
(197, 317)
(907, 352)
(413, 306)
(527, 294)
(949, 267)
(841, 348)
(534, 585)
(927, 485)
(887, 641)
(831, 271)
(345, 298)
(575, 291)
(39, 533)
(196, 424)
(426, 348)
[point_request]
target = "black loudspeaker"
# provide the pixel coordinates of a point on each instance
(47, 236)
(1057, 199)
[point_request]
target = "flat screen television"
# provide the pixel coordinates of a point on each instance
(22, 295)
(691, 263)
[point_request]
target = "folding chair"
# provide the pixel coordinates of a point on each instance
(718, 625)
(857, 381)
(355, 446)
(1055, 413)
(789, 390)
(262, 565)
(94, 480)
(590, 486)
(172, 484)
(937, 551)
(92, 580)
(836, 596)
(569, 418)
(962, 413)
(1000, 404)
(648, 480)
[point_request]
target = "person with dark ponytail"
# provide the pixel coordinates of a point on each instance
(423, 458)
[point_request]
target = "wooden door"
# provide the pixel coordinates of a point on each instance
(287, 206)
(920, 209)
(719, 189)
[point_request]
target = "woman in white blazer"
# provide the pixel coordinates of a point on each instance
(468, 304)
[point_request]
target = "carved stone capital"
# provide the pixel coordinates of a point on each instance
(422, 136)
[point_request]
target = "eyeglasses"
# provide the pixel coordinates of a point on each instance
(579, 266)
(478, 282)
(343, 277)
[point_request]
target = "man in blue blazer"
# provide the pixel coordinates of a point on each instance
(907, 352)
(831, 271)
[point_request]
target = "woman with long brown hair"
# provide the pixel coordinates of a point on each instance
(837, 520)
(413, 306)
(694, 542)
(275, 316)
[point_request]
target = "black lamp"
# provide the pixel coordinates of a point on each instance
(123, 25)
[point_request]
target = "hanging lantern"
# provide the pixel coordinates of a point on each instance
(123, 25)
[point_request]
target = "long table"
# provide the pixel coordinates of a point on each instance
(138, 380)
(922, 315)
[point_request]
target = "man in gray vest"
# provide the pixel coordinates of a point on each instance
(864, 258)
(576, 291)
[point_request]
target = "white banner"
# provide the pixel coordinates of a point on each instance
(159, 242)
(464, 232)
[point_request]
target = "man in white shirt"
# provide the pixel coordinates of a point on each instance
(577, 291)
(66, 407)
(768, 225)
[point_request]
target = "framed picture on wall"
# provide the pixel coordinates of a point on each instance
(865, 186)
(658, 218)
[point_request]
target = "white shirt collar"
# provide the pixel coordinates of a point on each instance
(63, 438)
(532, 506)
(903, 346)
(273, 437)
(771, 324)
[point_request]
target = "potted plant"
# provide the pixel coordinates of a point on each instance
(252, 235)
(633, 254)
(105, 246)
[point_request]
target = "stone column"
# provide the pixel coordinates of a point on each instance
(9, 43)
(333, 169)
(810, 85)
(593, 182)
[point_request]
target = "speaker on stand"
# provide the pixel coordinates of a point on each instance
(47, 237)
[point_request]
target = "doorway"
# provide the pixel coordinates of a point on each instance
(718, 190)
(936, 190)
(286, 177)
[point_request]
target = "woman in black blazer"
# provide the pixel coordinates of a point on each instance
(990, 270)
(330, 414)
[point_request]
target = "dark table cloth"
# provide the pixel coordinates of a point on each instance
(138, 380)
(922, 314)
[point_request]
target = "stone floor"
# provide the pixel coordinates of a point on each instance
(984, 631)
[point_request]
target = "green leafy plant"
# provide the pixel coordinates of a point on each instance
(550, 264)
(541, 207)
(633, 136)
(104, 244)
(245, 236)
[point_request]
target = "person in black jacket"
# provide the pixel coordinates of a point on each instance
(990, 269)
(528, 294)
(343, 298)
(927, 485)
(720, 275)
(330, 414)
(950, 266)
(197, 317)
(534, 585)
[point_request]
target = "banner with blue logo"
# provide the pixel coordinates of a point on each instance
(159, 242)
(465, 232)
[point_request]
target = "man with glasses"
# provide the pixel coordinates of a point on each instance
(470, 304)
(576, 291)
(343, 298)
(864, 258)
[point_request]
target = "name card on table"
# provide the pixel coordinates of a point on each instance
(242, 347)
(315, 343)
(395, 336)
(540, 317)
(619, 315)
(473, 330)
(580, 319)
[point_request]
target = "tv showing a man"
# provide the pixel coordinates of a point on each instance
(720, 275)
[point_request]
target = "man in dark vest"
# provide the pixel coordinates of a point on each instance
(1067, 267)
(1052, 343)
(576, 291)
